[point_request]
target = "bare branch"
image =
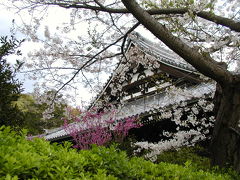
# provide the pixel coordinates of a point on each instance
(48, 68)
(90, 61)
(88, 82)
(235, 131)
(233, 25)
(112, 19)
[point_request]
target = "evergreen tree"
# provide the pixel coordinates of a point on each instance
(10, 87)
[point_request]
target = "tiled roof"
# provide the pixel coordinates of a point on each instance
(161, 54)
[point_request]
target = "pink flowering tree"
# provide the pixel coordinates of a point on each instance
(93, 127)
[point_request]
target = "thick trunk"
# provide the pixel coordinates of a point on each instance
(225, 146)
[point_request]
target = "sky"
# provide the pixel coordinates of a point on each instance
(6, 18)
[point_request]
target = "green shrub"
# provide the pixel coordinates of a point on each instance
(186, 154)
(38, 159)
(126, 145)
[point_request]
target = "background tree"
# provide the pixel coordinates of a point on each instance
(10, 87)
(203, 33)
(21, 110)
(33, 113)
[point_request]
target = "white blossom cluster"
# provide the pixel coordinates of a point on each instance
(179, 139)
(198, 123)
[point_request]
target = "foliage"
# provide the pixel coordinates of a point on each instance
(52, 105)
(184, 154)
(37, 159)
(94, 127)
(10, 88)
(33, 114)
(196, 157)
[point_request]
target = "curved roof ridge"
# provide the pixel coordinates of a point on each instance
(163, 55)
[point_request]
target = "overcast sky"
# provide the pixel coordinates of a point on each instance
(5, 21)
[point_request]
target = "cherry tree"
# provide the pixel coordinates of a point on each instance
(205, 33)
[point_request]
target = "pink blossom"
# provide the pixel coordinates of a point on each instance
(98, 128)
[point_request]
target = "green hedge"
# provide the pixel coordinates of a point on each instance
(37, 159)
(185, 154)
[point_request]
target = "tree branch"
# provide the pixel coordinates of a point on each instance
(88, 82)
(90, 61)
(235, 131)
(48, 68)
(203, 63)
(233, 25)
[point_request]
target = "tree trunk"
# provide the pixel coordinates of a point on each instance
(225, 145)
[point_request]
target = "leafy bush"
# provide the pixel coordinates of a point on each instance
(126, 145)
(37, 159)
(185, 154)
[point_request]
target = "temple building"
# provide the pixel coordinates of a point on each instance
(151, 82)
